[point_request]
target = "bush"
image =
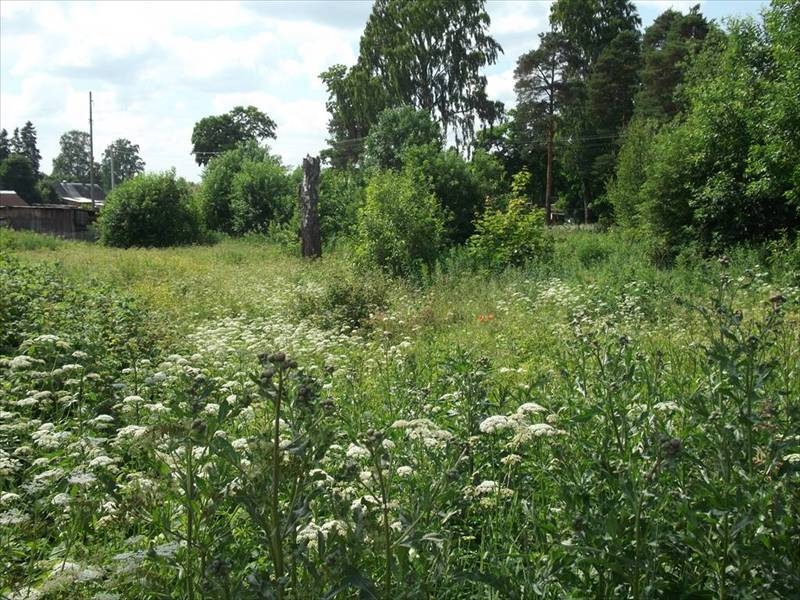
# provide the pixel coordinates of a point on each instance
(511, 237)
(400, 226)
(215, 191)
(262, 193)
(449, 177)
(150, 210)
(341, 194)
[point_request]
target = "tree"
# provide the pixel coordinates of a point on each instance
(72, 163)
(126, 161)
(592, 27)
(355, 99)
(398, 129)
(24, 143)
(424, 53)
(16, 173)
(541, 86)
(668, 46)
(5, 145)
(216, 134)
(263, 193)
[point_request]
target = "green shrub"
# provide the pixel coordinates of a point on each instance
(511, 237)
(150, 210)
(216, 189)
(400, 226)
(449, 177)
(261, 193)
(341, 194)
(397, 130)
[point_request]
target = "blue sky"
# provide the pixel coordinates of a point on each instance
(156, 68)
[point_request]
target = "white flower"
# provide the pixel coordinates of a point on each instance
(101, 461)
(60, 499)
(405, 471)
(530, 408)
(792, 459)
(81, 478)
(495, 423)
(356, 451)
(511, 459)
(487, 487)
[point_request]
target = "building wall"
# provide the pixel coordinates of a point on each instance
(63, 221)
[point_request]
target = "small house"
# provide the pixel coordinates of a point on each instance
(80, 194)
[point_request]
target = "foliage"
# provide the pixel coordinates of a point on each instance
(150, 210)
(217, 184)
(668, 47)
(397, 130)
(635, 156)
(355, 99)
(712, 181)
(341, 194)
(510, 237)
(72, 163)
(16, 173)
(601, 69)
(406, 57)
(5, 144)
(400, 226)
(261, 193)
(216, 134)
(126, 162)
(489, 174)
(24, 143)
(449, 177)
(596, 426)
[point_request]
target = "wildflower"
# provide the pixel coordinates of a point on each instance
(405, 471)
(356, 451)
(81, 478)
(495, 423)
(13, 517)
(792, 459)
(61, 499)
(511, 459)
(668, 406)
(20, 362)
(487, 487)
(530, 408)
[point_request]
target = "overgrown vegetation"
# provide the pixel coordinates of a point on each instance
(587, 425)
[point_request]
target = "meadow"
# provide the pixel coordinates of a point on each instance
(230, 421)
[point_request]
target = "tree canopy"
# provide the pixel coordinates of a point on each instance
(216, 134)
(126, 161)
(426, 54)
(73, 163)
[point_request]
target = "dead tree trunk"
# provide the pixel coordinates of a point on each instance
(310, 239)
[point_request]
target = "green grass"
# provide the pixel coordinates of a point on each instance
(588, 426)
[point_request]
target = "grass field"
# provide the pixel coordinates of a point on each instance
(231, 421)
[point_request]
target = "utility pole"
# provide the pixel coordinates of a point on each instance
(91, 153)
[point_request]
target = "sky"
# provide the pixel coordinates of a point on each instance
(156, 68)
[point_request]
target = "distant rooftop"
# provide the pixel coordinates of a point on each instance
(79, 193)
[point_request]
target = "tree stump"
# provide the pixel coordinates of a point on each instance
(310, 237)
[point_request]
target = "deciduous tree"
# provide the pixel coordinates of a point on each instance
(126, 162)
(72, 163)
(216, 134)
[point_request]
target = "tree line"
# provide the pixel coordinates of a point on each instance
(20, 162)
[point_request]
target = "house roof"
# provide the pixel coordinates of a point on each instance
(79, 193)
(11, 198)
